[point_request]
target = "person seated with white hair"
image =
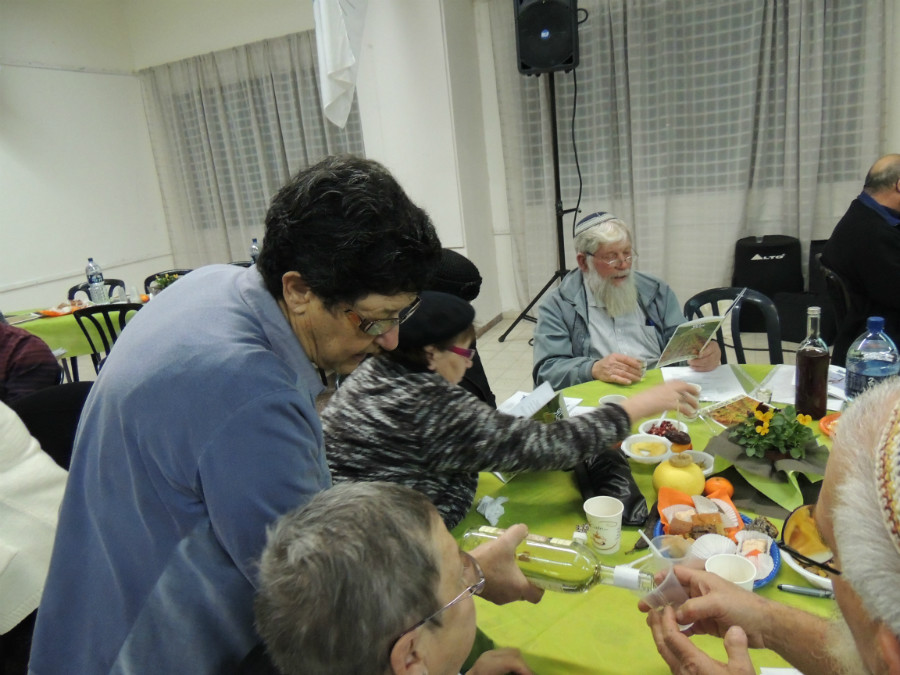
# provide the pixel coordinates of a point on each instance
(605, 321)
(366, 579)
(858, 517)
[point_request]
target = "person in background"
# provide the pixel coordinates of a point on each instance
(31, 489)
(605, 321)
(26, 364)
(858, 516)
(366, 580)
(457, 275)
(864, 250)
(401, 417)
(201, 429)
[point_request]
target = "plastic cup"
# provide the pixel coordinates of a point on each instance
(735, 568)
(692, 416)
(612, 398)
(668, 592)
(604, 516)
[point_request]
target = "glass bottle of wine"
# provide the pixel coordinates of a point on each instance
(563, 565)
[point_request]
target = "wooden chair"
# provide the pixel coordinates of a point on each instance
(84, 287)
(726, 296)
(149, 280)
(102, 325)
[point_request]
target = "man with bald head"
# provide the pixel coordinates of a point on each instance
(864, 250)
(858, 516)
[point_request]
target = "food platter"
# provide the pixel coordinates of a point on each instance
(829, 423)
(813, 578)
(731, 412)
(773, 551)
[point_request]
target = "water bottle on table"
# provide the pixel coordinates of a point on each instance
(871, 358)
(254, 250)
(96, 287)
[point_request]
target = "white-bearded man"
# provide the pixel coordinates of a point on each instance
(606, 321)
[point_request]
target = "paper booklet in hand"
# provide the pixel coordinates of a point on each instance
(692, 336)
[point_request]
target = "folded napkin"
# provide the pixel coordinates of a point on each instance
(491, 508)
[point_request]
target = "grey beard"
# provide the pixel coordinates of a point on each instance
(619, 300)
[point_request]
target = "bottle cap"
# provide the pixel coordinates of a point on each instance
(875, 324)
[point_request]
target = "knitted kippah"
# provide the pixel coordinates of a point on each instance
(887, 476)
(593, 219)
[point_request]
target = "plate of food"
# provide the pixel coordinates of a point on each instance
(712, 522)
(801, 535)
(731, 412)
(647, 448)
(829, 423)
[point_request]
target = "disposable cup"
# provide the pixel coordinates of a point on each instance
(671, 549)
(668, 592)
(735, 568)
(604, 516)
(692, 416)
(612, 398)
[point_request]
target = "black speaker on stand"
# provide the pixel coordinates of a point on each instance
(547, 41)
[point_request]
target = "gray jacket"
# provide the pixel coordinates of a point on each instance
(562, 341)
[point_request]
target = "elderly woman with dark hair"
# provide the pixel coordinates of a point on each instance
(400, 417)
(367, 580)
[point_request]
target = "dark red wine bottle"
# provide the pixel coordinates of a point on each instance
(812, 370)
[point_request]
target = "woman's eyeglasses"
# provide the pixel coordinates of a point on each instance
(463, 352)
(378, 327)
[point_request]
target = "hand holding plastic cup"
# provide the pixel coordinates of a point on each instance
(668, 592)
(734, 568)
(671, 549)
(690, 417)
(604, 516)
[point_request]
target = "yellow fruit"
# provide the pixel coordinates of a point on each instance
(679, 473)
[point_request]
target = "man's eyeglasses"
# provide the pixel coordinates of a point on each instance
(615, 260)
(472, 576)
(381, 326)
(463, 352)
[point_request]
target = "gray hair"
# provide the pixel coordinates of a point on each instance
(885, 177)
(344, 576)
(611, 231)
(870, 562)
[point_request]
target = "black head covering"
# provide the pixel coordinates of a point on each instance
(456, 275)
(440, 317)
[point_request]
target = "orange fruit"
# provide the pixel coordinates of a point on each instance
(718, 483)
(145, 298)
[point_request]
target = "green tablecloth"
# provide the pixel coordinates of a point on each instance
(59, 332)
(600, 631)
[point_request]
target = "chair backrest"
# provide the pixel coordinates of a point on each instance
(837, 291)
(102, 325)
(149, 280)
(84, 287)
(241, 263)
(714, 296)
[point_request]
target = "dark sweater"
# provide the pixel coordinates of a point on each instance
(387, 422)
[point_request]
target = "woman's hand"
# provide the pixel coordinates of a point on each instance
(676, 395)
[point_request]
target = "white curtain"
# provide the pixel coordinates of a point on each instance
(227, 130)
(699, 123)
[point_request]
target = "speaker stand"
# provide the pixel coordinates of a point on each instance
(561, 270)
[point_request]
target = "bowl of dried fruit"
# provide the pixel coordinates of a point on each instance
(674, 431)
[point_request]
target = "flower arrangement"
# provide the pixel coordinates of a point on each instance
(163, 280)
(771, 429)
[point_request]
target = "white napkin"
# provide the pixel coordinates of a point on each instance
(491, 508)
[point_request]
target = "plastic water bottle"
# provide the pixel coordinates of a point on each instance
(871, 358)
(96, 287)
(254, 250)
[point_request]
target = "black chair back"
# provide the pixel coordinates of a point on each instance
(149, 280)
(837, 291)
(84, 287)
(102, 325)
(241, 263)
(726, 296)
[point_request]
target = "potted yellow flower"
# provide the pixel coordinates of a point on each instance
(773, 433)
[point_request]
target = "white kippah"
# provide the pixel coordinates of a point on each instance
(593, 219)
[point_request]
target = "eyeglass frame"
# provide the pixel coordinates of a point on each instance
(473, 589)
(463, 352)
(624, 260)
(382, 326)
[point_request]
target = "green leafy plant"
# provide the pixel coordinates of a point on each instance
(780, 430)
(163, 280)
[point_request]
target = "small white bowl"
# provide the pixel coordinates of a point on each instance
(645, 427)
(612, 398)
(814, 579)
(704, 459)
(628, 447)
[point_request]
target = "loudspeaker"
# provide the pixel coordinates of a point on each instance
(546, 35)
